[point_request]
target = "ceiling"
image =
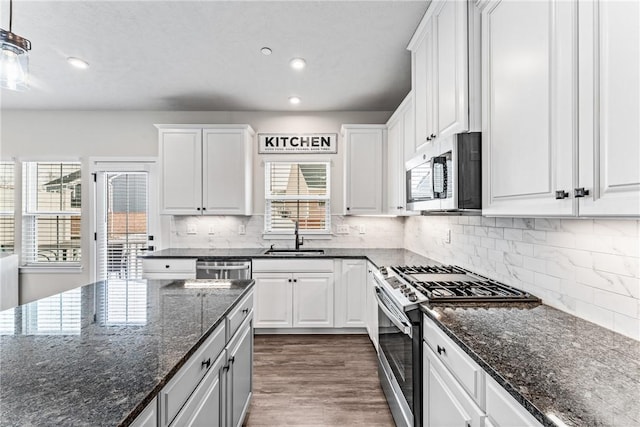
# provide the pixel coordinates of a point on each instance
(205, 55)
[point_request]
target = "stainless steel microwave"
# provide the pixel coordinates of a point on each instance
(446, 176)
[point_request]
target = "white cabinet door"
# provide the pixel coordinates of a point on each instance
(181, 171)
(451, 67)
(609, 95)
(422, 72)
(445, 404)
(351, 294)
(313, 300)
(226, 172)
(148, 417)
(529, 56)
(239, 375)
(273, 300)
(503, 410)
(399, 136)
(363, 168)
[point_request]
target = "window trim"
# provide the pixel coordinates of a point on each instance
(281, 234)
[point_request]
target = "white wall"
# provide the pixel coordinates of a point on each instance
(36, 135)
(587, 267)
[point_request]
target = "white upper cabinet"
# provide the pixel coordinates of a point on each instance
(364, 169)
(400, 135)
(609, 95)
(529, 116)
(206, 169)
(561, 101)
(444, 71)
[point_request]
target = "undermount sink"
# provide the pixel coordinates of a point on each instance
(293, 252)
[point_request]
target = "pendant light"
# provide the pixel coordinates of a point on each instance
(14, 57)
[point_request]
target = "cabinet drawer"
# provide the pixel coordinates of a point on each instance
(503, 410)
(180, 387)
(461, 366)
(169, 268)
(237, 316)
(296, 265)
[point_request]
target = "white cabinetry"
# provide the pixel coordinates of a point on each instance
(529, 76)
(169, 268)
(364, 169)
(351, 293)
(503, 410)
(9, 293)
(445, 403)
(206, 169)
(293, 293)
(400, 139)
(445, 71)
(609, 108)
(238, 379)
(148, 417)
(561, 99)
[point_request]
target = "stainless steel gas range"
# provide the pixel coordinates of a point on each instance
(400, 290)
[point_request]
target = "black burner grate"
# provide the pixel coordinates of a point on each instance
(429, 269)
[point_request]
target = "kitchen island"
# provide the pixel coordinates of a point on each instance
(99, 354)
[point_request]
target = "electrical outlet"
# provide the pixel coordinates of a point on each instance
(342, 229)
(446, 236)
(362, 229)
(212, 229)
(242, 229)
(191, 229)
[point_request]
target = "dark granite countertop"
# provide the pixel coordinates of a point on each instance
(551, 362)
(97, 355)
(379, 257)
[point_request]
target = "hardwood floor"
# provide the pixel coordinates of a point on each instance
(316, 380)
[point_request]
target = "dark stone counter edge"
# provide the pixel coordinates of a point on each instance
(533, 410)
(130, 418)
(261, 256)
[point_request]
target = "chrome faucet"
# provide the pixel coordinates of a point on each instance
(299, 239)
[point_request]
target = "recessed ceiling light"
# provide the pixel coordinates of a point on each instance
(297, 63)
(266, 51)
(78, 63)
(295, 100)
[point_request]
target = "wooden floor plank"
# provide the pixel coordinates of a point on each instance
(316, 380)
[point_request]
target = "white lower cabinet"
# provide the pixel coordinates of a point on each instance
(293, 293)
(214, 387)
(445, 403)
(351, 293)
(503, 410)
(148, 417)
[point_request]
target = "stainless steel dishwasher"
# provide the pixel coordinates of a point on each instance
(224, 269)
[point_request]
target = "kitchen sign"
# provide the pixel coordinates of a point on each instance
(297, 143)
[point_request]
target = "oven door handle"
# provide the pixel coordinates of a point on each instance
(395, 319)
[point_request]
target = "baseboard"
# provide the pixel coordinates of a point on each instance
(307, 331)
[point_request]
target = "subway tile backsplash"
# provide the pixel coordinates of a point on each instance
(587, 267)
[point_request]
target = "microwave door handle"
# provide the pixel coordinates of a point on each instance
(400, 324)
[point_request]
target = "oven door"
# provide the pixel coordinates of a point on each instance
(396, 358)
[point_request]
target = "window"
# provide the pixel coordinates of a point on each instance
(51, 213)
(297, 192)
(7, 207)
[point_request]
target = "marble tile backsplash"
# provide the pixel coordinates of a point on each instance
(224, 232)
(589, 268)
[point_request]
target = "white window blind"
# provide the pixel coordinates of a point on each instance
(51, 213)
(7, 206)
(297, 192)
(8, 322)
(124, 302)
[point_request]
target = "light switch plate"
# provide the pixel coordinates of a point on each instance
(242, 229)
(446, 236)
(342, 229)
(362, 229)
(212, 229)
(192, 229)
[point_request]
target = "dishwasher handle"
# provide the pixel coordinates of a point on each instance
(204, 266)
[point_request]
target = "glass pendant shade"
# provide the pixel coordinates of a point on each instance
(14, 61)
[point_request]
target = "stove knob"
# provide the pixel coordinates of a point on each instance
(403, 287)
(412, 297)
(383, 271)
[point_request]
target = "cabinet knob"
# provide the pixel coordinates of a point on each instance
(295, 280)
(232, 359)
(197, 208)
(441, 350)
(428, 138)
(206, 363)
(204, 209)
(400, 207)
(348, 209)
(289, 280)
(580, 192)
(424, 157)
(167, 266)
(245, 311)
(433, 135)
(561, 194)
